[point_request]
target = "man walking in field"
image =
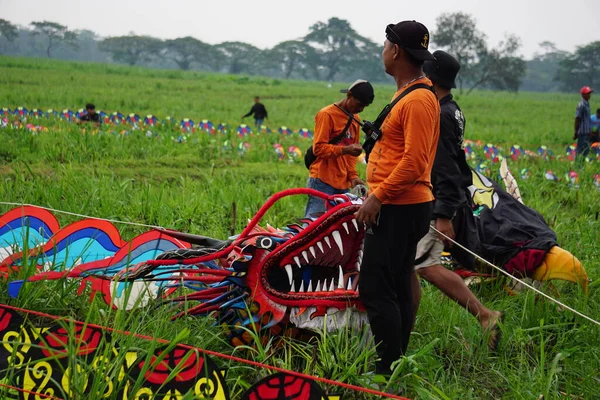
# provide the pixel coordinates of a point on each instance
(583, 122)
(260, 113)
(450, 177)
(336, 146)
(398, 208)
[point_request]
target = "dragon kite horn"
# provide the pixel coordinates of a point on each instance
(561, 264)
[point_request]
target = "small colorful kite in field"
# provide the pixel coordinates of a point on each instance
(573, 178)
(279, 150)
(571, 152)
(469, 153)
(516, 152)
(264, 129)
(284, 130)
(5, 112)
(294, 152)
(67, 115)
(244, 130)
(187, 125)
(551, 176)
(483, 169)
(207, 126)
(21, 112)
(222, 128)
(116, 117)
(544, 152)
(525, 173)
(150, 120)
(4, 122)
(51, 113)
(243, 147)
(597, 181)
(36, 113)
(80, 113)
(104, 116)
(133, 119)
(227, 146)
(305, 133)
(491, 151)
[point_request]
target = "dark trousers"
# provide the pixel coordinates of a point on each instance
(385, 277)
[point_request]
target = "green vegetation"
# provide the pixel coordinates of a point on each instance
(191, 186)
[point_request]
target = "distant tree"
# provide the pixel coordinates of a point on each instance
(131, 49)
(499, 68)
(8, 31)
(56, 34)
(457, 33)
(294, 56)
(542, 68)
(337, 43)
(238, 57)
(581, 68)
(187, 50)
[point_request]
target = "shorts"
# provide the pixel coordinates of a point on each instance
(429, 250)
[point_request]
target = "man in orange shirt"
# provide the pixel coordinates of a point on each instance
(336, 146)
(399, 206)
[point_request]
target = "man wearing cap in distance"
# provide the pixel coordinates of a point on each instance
(583, 122)
(451, 176)
(334, 170)
(260, 113)
(398, 208)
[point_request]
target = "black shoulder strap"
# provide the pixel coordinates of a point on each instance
(387, 109)
(339, 137)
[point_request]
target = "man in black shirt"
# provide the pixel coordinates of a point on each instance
(450, 178)
(259, 111)
(91, 115)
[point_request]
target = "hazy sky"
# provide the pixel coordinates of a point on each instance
(265, 23)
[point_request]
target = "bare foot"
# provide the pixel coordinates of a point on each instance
(491, 324)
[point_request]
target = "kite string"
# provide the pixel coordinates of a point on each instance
(116, 221)
(517, 279)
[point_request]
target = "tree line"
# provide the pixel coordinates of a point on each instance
(330, 51)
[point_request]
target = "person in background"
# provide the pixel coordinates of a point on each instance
(90, 115)
(450, 176)
(259, 111)
(595, 121)
(334, 170)
(583, 122)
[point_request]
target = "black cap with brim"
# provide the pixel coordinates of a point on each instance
(443, 70)
(362, 91)
(411, 36)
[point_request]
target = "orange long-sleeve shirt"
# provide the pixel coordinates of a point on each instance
(331, 166)
(399, 170)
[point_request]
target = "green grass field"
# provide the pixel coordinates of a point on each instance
(191, 186)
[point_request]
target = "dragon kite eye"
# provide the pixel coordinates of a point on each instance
(265, 243)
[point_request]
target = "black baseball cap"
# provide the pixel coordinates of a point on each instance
(412, 36)
(443, 69)
(362, 91)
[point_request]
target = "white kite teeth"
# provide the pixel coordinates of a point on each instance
(355, 224)
(292, 288)
(349, 284)
(340, 278)
(301, 286)
(312, 251)
(305, 255)
(288, 269)
(318, 288)
(332, 285)
(298, 262)
(338, 240)
(309, 286)
(328, 241)
(345, 225)
(320, 246)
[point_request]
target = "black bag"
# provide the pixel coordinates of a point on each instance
(309, 155)
(372, 129)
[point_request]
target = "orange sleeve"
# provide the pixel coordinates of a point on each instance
(323, 128)
(417, 119)
(352, 173)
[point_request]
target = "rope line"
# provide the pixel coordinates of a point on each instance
(517, 279)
